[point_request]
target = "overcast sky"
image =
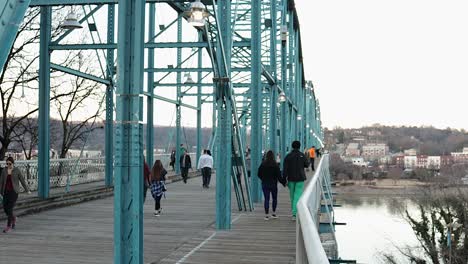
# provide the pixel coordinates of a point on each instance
(399, 62)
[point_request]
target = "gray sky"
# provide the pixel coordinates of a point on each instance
(399, 62)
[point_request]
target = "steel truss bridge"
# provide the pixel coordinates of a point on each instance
(249, 68)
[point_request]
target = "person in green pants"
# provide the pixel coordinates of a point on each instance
(293, 172)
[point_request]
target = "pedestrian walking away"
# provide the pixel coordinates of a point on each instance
(269, 173)
(158, 185)
(205, 164)
(293, 172)
(9, 189)
(312, 156)
(185, 164)
(172, 162)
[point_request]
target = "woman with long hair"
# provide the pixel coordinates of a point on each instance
(269, 172)
(158, 186)
(9, 189)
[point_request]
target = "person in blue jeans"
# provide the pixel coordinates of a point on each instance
(269, 172)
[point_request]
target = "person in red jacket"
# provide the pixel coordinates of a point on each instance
(9, 189)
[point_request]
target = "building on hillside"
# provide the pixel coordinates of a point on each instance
(386, 160)
(421, 161)
(400, 161)
(375, 150)
(459, 157)
(411, 162)
(446, 160)
(433, 162)
(465, 150)
(352, 150)
(411, 152)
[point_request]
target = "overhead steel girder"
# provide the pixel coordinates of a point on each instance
(159, 45)
(191, 70)
(88, 2)
(79, 74)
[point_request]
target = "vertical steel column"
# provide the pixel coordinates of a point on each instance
(150, 85)
(256, 99)
(223, 102)
(291, 76)
(44, 103)
(284, 84)
(109, 130)
(199, 102)
(273, 88)
(178, 98)
(128, 205)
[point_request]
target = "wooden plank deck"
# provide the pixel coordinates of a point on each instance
(184, 233)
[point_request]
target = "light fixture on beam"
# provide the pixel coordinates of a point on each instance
(189, 79)
(197, 14)
(282, 97)
(299, 117)
(71, 21)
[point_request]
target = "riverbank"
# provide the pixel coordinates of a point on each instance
(379, 187)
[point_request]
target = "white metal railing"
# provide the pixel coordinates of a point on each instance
(66, 172)
(309, 247)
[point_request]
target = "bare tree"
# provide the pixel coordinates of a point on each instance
(20, 74)
(77, 122)
(395, 173)
(441, 213)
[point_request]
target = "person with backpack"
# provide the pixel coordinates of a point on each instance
(269, 172)
(158, 185)
(293, 171)
(10, 179)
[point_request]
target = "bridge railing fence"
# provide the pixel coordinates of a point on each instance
(71, 170)
(309, 247)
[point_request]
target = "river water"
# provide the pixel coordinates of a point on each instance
(374, 225)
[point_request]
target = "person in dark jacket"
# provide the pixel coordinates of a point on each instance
(269, 172)
(9, 189)
(185, 165)
(293, 172)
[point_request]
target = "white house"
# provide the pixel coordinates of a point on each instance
(411, 162)
(433, 162)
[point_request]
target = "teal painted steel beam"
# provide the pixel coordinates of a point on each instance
(235, 85)
(201, 69)
(149, 99)
(109, 130)
(88, 2)
(128, 204)
(159, 45)
(199, 101)
(224, 121)
(11, 16)
(256, 90)
(273, 89)
(79, 74)
(175, 102)
(44, 104)
(283, 132)
(178, 98)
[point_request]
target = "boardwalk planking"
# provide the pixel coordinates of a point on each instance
(84, 233)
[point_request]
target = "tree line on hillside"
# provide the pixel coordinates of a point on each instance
(428, 140)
